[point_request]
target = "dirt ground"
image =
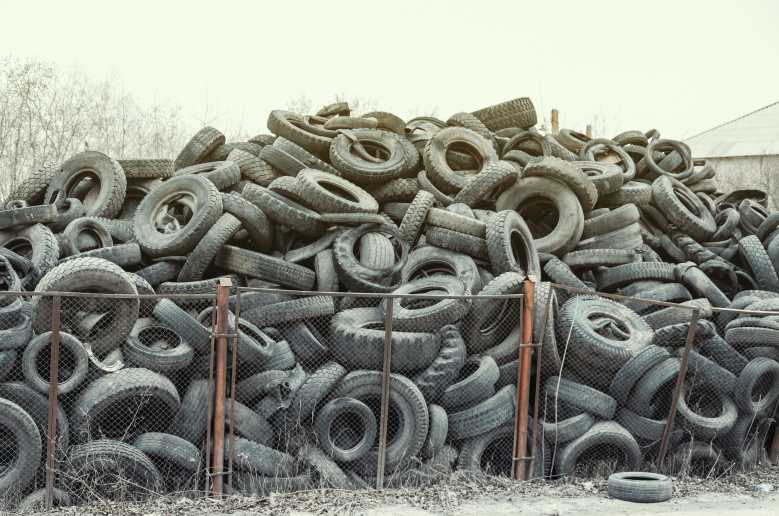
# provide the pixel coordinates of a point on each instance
(469, 495)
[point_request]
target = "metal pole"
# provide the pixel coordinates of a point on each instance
(233, 371)
(523, 377)
(678, 388)
(210, 400)
(773, 453)
(539, 354)
(222, 300)
(386, 371)
(54, 364)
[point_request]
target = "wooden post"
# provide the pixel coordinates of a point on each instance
(386, 376)
(221, 329)
(555, 121)
(589, 130)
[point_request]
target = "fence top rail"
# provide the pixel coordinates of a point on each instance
(690, 308)
(104, 295)
(386, 295)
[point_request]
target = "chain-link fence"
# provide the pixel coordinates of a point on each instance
(658, 381)
(354, 390)
(307, 375)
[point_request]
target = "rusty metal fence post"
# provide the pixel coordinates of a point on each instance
(386, 372)
(523, 379)
(54, 358)
(220, 333)
(679, 387)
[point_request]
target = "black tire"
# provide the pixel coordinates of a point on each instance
(67, 211)
(396, 190)
(717, 349)
(32, 189)
(191, 420)
(475, 247)
(633, 370)
(205, 205)
(567, 429)
(614, 277)
(612, 221)
(303, 156)
(558, 272)
(284, 211)
(74, 363)
(474, 383)
(606, 433)
(435, 157)
(265, 267)
(326, 473)
(438, 432)
(101, 407)
(346, 429)
(326, 275)
(752, 380)
(316, 387)
(581, 397)
(528, 194)
(36, 243)
(428, 261)
(158, 349)
(511, 246)
(606, 177)
(401, 158)
(26, 439)
(484, 416)
(688, 215)
(493, 178)
(111, 183)
(434, 380)
(415, 216)
(591, 347)
(89, 275)
(207, 248)
(628, 237)
(84, 234)
(199, 147)
(106, 469)
(701, 369)
(223, 174)
(27, 215)
(425, 184)
(642, 487)
(427, 315)
(705, 425)
(147, 168)
(357, 344)
(654, 387)
(331, 194)
(412, 421)
(37, 406)
(171, 454)
(491, 320)
(596, 147)
(160, 272)
(754, 254)
(295, 128)
(124, 255)
(587, 259)
(518, 112)
(564, 172)
(247, 423)
(357, 276)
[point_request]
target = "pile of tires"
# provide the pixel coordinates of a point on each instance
(371, 204)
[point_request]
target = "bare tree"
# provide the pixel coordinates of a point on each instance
(47, 114)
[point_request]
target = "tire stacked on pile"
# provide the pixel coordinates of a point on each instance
(372, 204)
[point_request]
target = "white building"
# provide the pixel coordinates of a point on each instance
(744, 151)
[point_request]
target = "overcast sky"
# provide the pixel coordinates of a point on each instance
(681, 67)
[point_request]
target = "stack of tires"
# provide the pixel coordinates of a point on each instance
(365, 206)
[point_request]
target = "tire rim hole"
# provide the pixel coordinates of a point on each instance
(432, 268)
(394, 418)
(67, 364)
(158, 338)
(350, 431)
(457, 164)
(541, 216)
(496, 458)
(374, 149)
(600, 461)
(607, 326)
(762, 386)
(338, 191)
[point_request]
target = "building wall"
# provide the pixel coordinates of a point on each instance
(758, 172)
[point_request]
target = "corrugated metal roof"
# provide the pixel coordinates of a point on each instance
(753, 134)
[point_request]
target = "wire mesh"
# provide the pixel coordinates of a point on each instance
(310, 368)
(631, 384)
